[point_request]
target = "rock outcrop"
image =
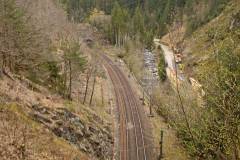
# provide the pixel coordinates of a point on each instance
(89, 138)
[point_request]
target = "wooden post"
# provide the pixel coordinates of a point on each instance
(161, 146)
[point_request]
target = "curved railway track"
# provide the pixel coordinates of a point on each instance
(134, 141)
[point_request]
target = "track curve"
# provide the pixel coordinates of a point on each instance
(135, 141)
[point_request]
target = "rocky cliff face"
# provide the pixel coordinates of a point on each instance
(89, 138)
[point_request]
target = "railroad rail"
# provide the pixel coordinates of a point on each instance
(132, 120)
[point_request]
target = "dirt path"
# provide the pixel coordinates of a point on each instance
(169, 57)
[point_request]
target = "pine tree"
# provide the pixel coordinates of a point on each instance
(73, 62)
(138, 22)
(120, 21)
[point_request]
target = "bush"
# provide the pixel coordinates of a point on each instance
(161, 68)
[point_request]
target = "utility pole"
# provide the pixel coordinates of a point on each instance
(161, 146)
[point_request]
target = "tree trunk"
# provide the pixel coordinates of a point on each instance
(119, 39)
(92, 91)
(116, 38)
(4, 39)
(65, 79)
(86, 89)
(70, 80)
(102, 94)
(3, 62)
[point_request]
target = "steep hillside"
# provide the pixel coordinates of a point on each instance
(48, 119)
(209, 93)
(213, 36)
(212, 57)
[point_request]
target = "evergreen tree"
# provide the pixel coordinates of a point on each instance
(138, 22)
(120, 21)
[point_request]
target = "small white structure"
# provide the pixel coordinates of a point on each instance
(197, 86)
(157, 42)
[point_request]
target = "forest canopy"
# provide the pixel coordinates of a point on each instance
(156, 14)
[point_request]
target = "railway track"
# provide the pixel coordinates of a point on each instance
(134, 143)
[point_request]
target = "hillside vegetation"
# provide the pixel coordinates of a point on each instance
(210, 129)
(43, 59)
(218, 69)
